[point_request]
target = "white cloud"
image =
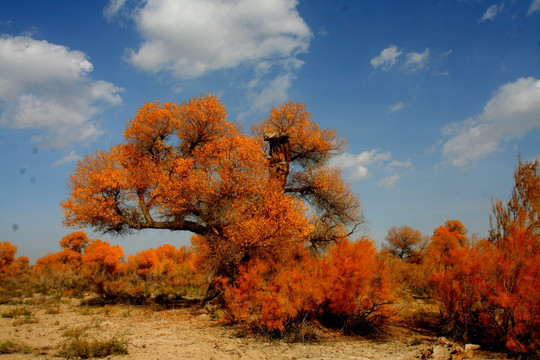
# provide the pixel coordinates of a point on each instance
(47, 86)
(355, 166)
(396, 107)
(387, 58)
(69, 158)
(270, 92)
(191, 37)
(534, 7)
(399, 164)
(416, 60)
(490, 13)
(112, 8)
(511, 113)
(389, 182)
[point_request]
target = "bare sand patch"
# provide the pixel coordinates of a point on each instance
(193, 333)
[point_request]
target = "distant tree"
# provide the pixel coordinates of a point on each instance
(404, 242)
(102, 257)
(76, 241)
(7, 255)
(452, 235)
(9, 265)
(185, 167)
(101, 264)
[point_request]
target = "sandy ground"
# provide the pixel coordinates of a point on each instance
(189, 333)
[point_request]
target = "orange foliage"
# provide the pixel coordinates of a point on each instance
(75, 241)
(512, 312)
(456, 276)
(348, 288)
(512, 305)
(299, 151)
(9, 265)
(146, 261)
(490, 291)
(185, 167)
(7, 257)
(59, 260)
(101, 256)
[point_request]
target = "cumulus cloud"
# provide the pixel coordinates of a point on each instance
(389, 182)
(534, 7)
(190, 38)
(355, 166)
(513, 111)
(387, 58)
(396, 107)
(416, 60)
(46, 86)
(491, 12)
(69, 158)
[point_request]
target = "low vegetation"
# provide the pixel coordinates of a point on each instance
(77, 348)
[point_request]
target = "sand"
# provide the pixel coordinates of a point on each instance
(197, 333)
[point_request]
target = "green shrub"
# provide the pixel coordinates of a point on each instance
(11, 347)
(77, 348)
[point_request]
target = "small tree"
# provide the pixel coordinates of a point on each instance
(76, 241)
(404, 242)
(513, 296)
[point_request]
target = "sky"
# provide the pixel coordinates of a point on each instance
(436, 98)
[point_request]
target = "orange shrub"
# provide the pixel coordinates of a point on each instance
(146, 261)
(75, 241)
(489, 292)
(347, 288)
(101, 264)
(511, 313)
(7, 257)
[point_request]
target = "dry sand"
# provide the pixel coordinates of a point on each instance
(189, 333)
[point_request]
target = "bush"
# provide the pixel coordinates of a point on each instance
(12, 347)
(83, 349)
(348, 288)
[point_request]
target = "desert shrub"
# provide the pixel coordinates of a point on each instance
(52, 274)
(16, 312)
(459, 286)
(102, 265)
(13, 347)
(511, 308)
(77, 348)
(347, 288)
(356, 287)
(488, 291)
(13, 271)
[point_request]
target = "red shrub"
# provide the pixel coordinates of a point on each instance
(346, 288)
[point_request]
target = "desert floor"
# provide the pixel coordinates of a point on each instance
(40, 325)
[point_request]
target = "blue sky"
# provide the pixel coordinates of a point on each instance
(435, 98)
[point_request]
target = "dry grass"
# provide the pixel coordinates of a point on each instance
(13, 347)
(77, 348)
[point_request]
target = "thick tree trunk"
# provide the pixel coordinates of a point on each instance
(279, 156)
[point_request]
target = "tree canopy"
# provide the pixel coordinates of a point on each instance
(186, 167)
